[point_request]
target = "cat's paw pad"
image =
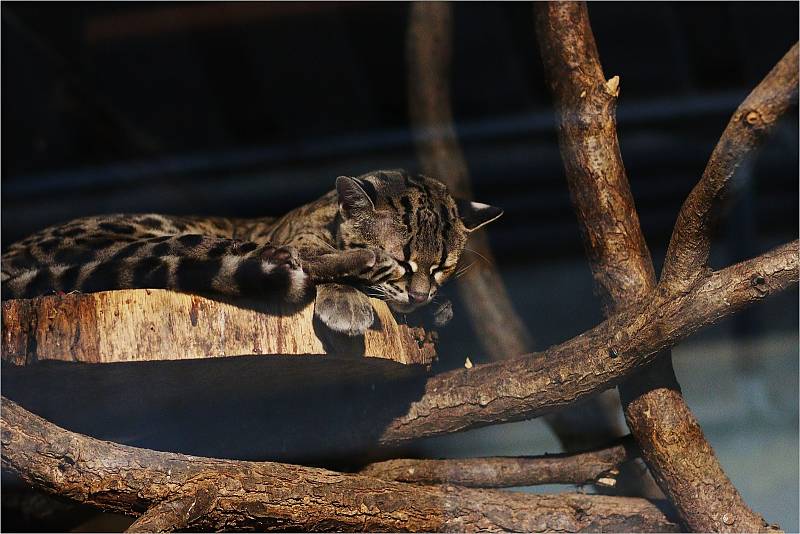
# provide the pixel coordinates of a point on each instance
(281, 256)
(381, 268)
(344, 310)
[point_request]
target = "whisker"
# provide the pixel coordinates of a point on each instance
(478, 254)
(463, 271)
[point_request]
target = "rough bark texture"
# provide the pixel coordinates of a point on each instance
(596, 360)
(154, 324)
(684, 464)
(677, 451)
(623, 270)
(587, 132)
(174, 491)
(591, 467)
(500, 329)
(751, 122)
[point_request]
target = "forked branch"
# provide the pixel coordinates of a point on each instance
(751, 122)
(596, 360)
(670, 437)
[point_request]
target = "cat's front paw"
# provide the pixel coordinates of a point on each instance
(343, 309)
(280, 256)
(381, 268)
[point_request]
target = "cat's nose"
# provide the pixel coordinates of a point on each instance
(417, 298)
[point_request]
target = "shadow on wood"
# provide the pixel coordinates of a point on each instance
(314, 410)
(179, 372)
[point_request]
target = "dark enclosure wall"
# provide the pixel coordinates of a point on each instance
(247, 109)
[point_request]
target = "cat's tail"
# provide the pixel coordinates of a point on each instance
(230, 275)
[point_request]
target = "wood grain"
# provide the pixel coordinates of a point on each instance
(150, 324)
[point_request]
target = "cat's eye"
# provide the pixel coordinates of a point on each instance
(433, 268)
(404, 264)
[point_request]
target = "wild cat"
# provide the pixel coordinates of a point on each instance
(386, 233)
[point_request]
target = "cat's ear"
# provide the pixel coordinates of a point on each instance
(474, 214)
(353, 198)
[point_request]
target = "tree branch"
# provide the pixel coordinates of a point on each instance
(751, 122)
(190, 492)
(499, 472)
(587, 133)
(598, 359)
(623, 269)
(177, 513)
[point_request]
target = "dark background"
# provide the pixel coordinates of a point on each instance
(250, 109)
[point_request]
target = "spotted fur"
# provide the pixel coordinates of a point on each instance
(390, 234)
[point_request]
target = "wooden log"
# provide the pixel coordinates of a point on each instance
(185, 373)
(150, 324)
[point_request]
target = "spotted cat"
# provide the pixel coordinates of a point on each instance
(388, 233)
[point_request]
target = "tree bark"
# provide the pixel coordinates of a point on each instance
(752, 121)
(598, 466)
(678, 453)
(657, 415)
(174, 491)
(596, 360)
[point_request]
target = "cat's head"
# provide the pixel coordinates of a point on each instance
(416, 221)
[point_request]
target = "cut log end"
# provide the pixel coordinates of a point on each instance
(150, 324)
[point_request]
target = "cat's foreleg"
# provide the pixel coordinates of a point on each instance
(359, 265)
(191, 263)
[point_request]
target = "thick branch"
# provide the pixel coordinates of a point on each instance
(587, 133)
(751, 122)
(682, 460)
(194, 493)
(598, 359)
(499, 472)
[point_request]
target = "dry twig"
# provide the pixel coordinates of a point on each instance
(498, 472)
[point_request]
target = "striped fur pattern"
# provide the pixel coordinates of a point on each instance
(387, 233)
